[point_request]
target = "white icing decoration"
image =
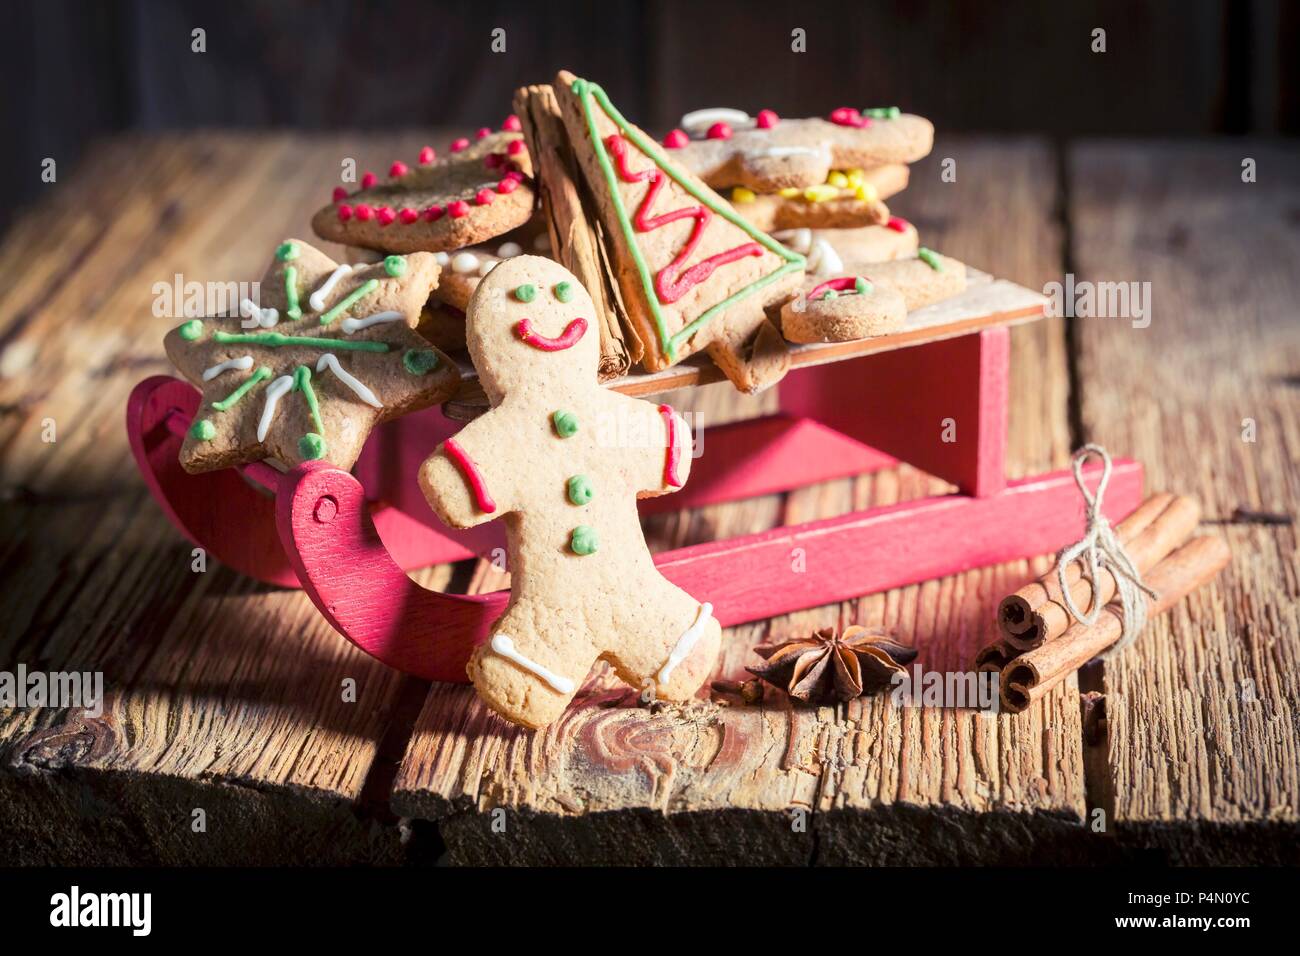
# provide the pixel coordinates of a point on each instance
(699, 121)
(243, 363)
(317, 299)
(464, 262)
(503, 645)
(274, 392)
(823, 260)
(266, 318)
(331, 362)
(487, 266)
(351, 325)
(508, 250)
(778, 151)
(686, 643)
(800, 240)
(441, 258)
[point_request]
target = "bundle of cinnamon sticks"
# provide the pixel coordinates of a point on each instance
(1040, 643)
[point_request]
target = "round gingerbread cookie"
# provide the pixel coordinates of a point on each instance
(841, 310)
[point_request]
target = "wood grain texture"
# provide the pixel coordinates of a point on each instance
(614, 782)
(1202, 757)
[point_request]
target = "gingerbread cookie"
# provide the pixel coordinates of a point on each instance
(846, 200)
(480, 190)
(768, 153)
(693, 274)
(843, 309)
(463, 269)
(921, 280)
(897, 239)
(563, 461)
(307, 372)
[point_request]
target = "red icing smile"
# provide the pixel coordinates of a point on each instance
(572, 334)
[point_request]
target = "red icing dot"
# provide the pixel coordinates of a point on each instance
(516, 147)
(848, 116)
(484, 197)
(767, 119)
(676, 139)
(515, 176)
(898, 224)
(493, 160)
(398, 168)
(512, 124)
(507, 185)
(433, 213)
(385, 216)
(368, 180)
(408, 215)
(460, 144)
(340, 193)
(483, 132)
(364, 212)
(427, 155)
(719, 131)
(458, 209)
(345, 213)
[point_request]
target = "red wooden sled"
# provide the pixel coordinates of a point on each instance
(348, 539)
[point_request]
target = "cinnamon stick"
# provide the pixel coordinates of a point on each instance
(1031, 675)
(994, 657)
(1160, 524)
(575, 239)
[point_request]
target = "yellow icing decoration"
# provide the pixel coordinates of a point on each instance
(820, 193)
(867, 192)
(790, 192)
(742, 195)
(838, 180)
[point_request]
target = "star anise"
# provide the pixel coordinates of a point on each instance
(829, 667)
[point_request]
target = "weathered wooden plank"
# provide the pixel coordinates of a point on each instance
(1204, 713)
(613, 782)
(222, 695)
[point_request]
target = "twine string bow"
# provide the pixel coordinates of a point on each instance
(1101, 548)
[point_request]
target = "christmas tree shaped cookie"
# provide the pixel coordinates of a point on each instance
(310, 369)
(693, 273)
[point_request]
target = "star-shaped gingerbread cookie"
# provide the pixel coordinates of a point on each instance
(306, 372)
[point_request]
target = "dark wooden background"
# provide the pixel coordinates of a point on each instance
(74, 70)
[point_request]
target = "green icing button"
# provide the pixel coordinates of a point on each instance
(203, 430)
(563, 291)
(930, 258)
(191, 330)
(579, 489)
(311, 446)
(287, 251)
(566, 423)
(583, 540)
(395, 266)
(420, 361)
(526, 292)
(861, 286)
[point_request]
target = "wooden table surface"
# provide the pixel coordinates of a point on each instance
(227, 696)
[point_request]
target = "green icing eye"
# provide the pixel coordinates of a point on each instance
(311, 446)
(526, 292)
(191, 330)
(583, 540)
(580, 490)
(287, 251)
(395, 266)
(566, 423)
(563, 291)
(861, 286)
(203, 430)
(420, 361)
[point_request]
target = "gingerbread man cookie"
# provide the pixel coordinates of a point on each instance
(563, 461)
(307, 371)
(482, 189)
(768, 153)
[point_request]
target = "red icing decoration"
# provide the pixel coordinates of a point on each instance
(516, 147)
(364, 212)
(516, 175)
(427, 156)
(839, 285)
(408, 215)
(458, 209)
(398, 168)
(345, 213)
(898, 224)
(767, 119)
(433, 213)
(848, 116)
(493, 160)
(676, 139)
(459, 144)
(469, 471)
(385, 216)
(484, 197)
(340, 194)
(673, 454)
(719, 131)
(482, 132)
(507, 185)
(512, 124)
(571, 336)
(674, 280)
(368, 179)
